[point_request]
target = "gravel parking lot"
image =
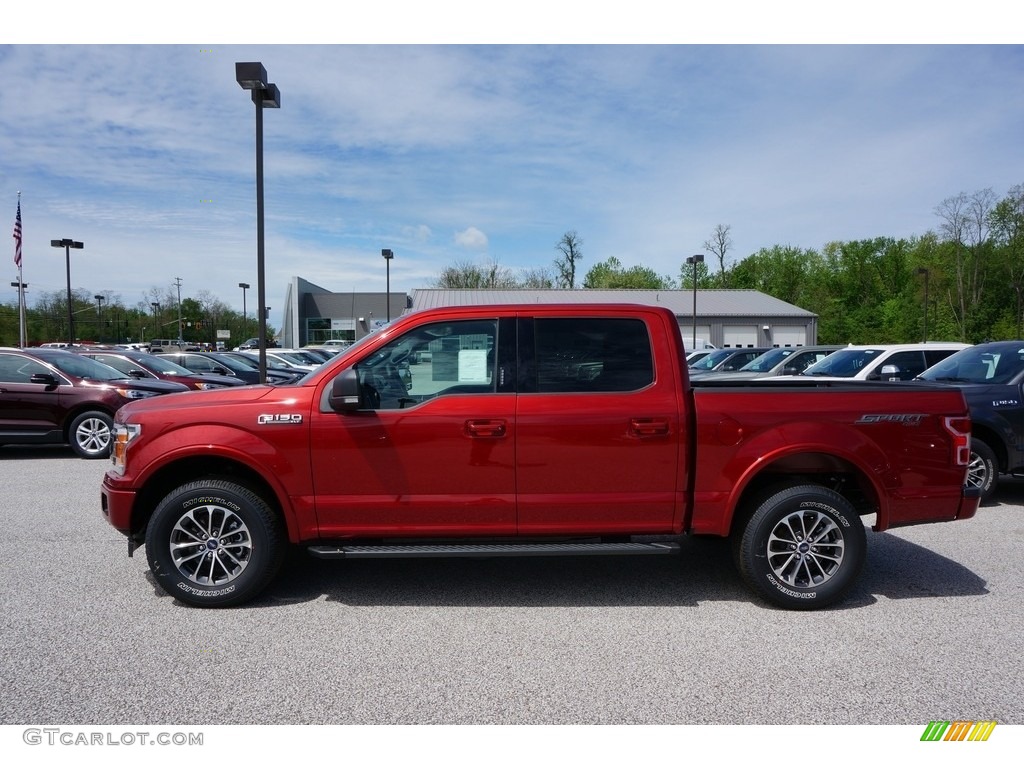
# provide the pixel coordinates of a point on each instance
(933, 631)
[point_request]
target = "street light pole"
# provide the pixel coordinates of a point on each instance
(245, 320)
(924, 271)
(99, 315)
(388, 255)
(67, 244)
(252, 76)
(695, 260)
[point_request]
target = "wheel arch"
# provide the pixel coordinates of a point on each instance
(994, 440)
(197, 467)
(77, 410)
(809, 467)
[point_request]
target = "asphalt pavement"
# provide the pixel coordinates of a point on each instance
(934, 630)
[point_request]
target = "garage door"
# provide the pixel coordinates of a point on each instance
(788, 335)
(739, 335)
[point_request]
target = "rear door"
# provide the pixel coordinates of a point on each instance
(598, 432)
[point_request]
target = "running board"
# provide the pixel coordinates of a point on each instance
(490, 550)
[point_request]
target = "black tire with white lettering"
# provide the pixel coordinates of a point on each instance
(802, 548)
(214, 543)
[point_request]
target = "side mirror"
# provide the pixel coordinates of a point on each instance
(890, 373)
(345, 395)
(44, 378)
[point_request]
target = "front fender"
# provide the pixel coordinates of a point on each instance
(276, 456)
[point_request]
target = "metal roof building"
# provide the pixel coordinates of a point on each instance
(725, 318)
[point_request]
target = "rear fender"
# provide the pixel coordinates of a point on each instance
(795, 448)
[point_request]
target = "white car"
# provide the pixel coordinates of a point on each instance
(881, 362)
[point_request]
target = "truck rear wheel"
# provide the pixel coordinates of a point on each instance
(214, 543)
(802, 548)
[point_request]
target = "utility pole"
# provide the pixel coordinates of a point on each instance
(177, 282)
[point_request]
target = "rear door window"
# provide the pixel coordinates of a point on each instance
(587, 354)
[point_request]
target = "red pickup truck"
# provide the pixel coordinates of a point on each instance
(530, 430)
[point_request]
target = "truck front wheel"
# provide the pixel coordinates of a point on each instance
(214, 543)
(802, 548)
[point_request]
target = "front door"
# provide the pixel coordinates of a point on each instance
(431, 451)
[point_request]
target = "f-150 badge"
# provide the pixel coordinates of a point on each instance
(279, 418)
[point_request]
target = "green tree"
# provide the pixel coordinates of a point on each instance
(611, 274)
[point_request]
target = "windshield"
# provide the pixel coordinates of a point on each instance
(237, 360)
(82, 367)
(768, 360)
(709, 362)
(984, 364)
(845, 362)
(163, 365)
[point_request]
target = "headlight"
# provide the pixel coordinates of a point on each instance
(123, 435)
(207, 385)
(135, 394)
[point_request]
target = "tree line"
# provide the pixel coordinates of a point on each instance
(962, 282)
(107, 319)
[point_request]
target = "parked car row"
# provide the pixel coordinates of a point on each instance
(56, 396)
(880, 362)
(69, 395)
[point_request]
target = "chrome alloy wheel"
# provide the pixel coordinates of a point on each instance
(805, 549)
(977, 471)
(210, 545)
(93, 435)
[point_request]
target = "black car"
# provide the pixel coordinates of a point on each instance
(226, 364)
(51, 396)
(991, 377)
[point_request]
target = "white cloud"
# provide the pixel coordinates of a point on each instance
(471, 239)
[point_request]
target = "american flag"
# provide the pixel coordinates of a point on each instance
(17, 237)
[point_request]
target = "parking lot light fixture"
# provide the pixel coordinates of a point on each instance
(99, 314)
(252, 76)
(388, 255)
(695, 260)
(245, 319)
(67, 244)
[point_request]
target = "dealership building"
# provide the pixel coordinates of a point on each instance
(725, 318)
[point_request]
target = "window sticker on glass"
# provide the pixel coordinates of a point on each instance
(473, 366)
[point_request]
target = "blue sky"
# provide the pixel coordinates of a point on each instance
(456, 153)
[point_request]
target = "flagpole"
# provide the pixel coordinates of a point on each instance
(22, 340)
(22, 334)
